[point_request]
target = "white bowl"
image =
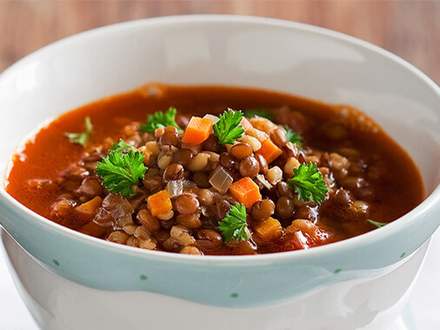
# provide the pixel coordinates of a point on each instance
(350, 284)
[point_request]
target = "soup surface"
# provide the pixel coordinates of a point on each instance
(215, 170)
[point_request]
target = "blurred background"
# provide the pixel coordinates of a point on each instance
(409, 28)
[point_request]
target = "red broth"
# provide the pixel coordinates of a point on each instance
(368, 175)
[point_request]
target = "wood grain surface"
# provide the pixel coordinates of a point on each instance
(410, 29)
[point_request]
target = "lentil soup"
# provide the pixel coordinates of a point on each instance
(215, 170)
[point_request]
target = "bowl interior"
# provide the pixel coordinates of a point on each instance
(231, 51)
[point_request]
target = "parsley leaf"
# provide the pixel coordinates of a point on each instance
(377, 223)
(121, 169)
(228, 128)
(122, 146)
(257, 112)
(234, 226)
(82, 137)
(160, 119)
(308, 183)
(293, 136)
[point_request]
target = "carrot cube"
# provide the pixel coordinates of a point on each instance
(89, 208)
(269, 229)
(197, 131)
(93, 229)
(159, 203)
(245, 191)
(269, 151)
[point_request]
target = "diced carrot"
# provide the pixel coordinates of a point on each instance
(89, 208)
(94, 229)
(159, 203)
(197, 131)
(269, 229)
(245, 191)
(269, 151)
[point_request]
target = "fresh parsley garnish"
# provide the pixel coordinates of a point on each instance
(308, 183)
(377, 223)
(82, 137)
(122, 146)
(234, 226)
(293, 136)
(121, 169)
(160, 119)
(228, 128)
(257, 112)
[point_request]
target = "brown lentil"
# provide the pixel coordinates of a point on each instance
(183, 156)
(227, 161)
(173, 171)
(249, 167)
(201, 179)
(191, 221)
(278, 137)
(206, 197)
(182, 236)
(186, 204)
(170, 136)
(263, 209)
(148, 221)
(119, 237)
(241, 150)
(191, 250)
(285, 207)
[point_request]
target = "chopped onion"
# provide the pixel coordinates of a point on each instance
(212, 118)
(188, 184)
(103, 218)
(175, 188)
(274, 175)
(261, 179)
(116, 208)
(301, 240)
(221, 180)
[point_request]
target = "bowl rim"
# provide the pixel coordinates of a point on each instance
(320, 251)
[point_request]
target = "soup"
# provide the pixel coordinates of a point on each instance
(216, 171)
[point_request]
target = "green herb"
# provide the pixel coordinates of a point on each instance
(228, 128)
(308, 183)
(121, 169)
(257, 112)
(234, 226)
(160, 119)
(83, 137)
(293, 136)
(377, 223)
(122, 146)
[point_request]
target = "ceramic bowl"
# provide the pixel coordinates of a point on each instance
(344, 285)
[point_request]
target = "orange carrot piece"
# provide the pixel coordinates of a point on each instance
(269, 229)
(159, 203)
(89, 208)
(92, 229)
(197, 131)
(269, 151)
(245, 191)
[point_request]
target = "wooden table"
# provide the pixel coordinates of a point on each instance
(409, 28)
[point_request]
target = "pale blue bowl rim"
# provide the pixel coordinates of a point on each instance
(353, 243)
